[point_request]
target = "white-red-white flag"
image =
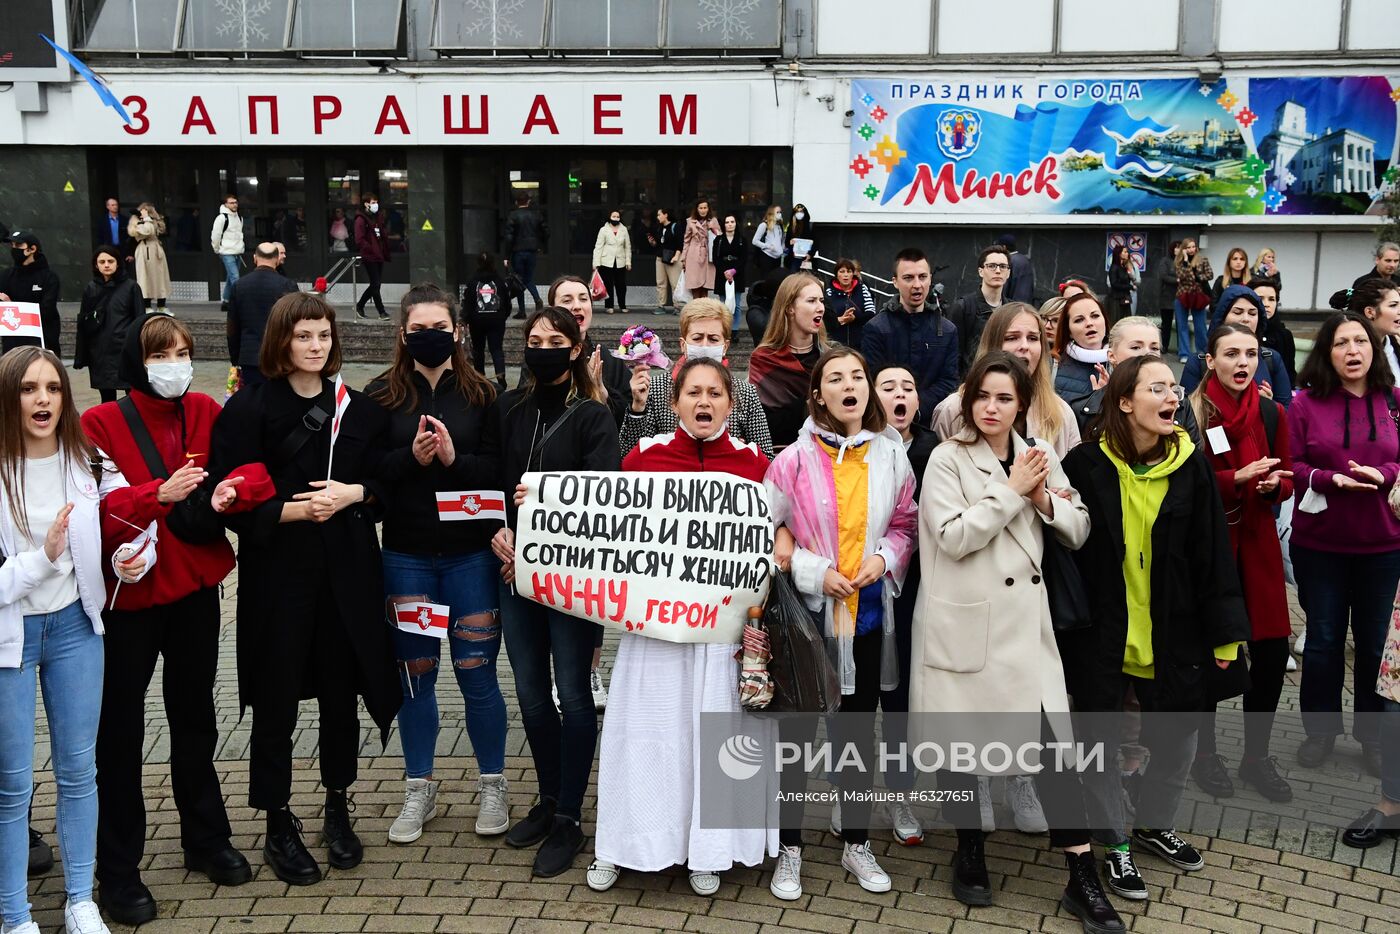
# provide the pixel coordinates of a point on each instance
(463, 505)
(424, 619)
(21, 319)
(342, 402)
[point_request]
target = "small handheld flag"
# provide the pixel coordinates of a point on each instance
(424, 619)
(464, 505)
(342, 402)
(21, 319)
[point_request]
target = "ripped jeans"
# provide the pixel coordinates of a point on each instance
(467, 583)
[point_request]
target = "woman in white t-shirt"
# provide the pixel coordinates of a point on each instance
(54, 488)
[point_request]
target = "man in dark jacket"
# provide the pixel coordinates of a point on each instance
(970, 313)
(913, 334)
(524, 238)
(249, 303)
(1387, 263)
(31, 280)
(1020, 287)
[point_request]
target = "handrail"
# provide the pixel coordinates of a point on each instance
(865, 277)
(339, 268)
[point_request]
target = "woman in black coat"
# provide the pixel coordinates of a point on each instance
(311, 600)
(1166, 603)
(111, 302)
(728, 254)
(486, 306)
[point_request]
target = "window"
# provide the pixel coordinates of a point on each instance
(393, 203)
(589, 203)
(606, 24)
(353, 25)
(489, 24)
(133, 26)
(723, 24)
(235, 26)
(342, 201)
(859, 27)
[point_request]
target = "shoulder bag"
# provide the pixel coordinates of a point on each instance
(192, 520)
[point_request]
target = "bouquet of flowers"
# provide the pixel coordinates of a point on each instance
(640, 344)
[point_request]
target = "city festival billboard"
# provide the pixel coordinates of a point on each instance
(1180, 146)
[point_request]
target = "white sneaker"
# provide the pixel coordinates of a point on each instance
(1298, 642)
(492, 805)
(601, 875)
(419, 807)
(1292, 664)
(28, 927)
(787, 875)
(836, 819)
(984, 803)
(857, 859)
(599, 689)
(704, 883)
(1025, 804)
(904, 823)
(83, 918)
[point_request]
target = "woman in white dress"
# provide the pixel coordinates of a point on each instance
(649, 763)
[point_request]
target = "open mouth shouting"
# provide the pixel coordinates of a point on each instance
(901, 409)
(704, 419)
(1239, 378)
(850, 404)
(42, 418)
(1167, 413)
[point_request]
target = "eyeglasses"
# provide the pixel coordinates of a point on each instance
(1162, 390)
(996, 267)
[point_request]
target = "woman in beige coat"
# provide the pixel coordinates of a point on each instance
(983, 640)
(146, 227)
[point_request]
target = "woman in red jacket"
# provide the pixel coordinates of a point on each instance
(172, 611)
(1246, 437)
(372, 243)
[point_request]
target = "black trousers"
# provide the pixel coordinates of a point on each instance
(308, 654)
(107, 395)
(615, 281)
(853, 725)
(1167, 316)
(1060, 791)
(375, 273)
(186, 634)
(1268, 663)
(489, 335)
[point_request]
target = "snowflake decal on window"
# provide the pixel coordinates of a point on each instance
(871, 192)
(1273, 200)
(1246, 117)
(861, 166)
(865, 132)
(494, 18)
(1227, 99)
(727, 17)
(242, 20)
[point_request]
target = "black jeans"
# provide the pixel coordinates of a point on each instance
(615, 281)
(1268, 663)
(107, 395)
(1167, 316)
(855, 725)
(308, 646)
(1060, 790)
(490, 334)
(375, 273)
(523, 263)
(894, 728)
(186, 634)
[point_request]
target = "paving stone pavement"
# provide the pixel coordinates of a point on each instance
(1264, 874)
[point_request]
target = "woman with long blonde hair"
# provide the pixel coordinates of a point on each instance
(768, 242)
(781, 365)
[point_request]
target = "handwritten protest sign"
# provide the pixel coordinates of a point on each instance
(673, 556)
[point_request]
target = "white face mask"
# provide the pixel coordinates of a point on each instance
(798, 215)
(704, 352)
(374, 207)
(170, 380)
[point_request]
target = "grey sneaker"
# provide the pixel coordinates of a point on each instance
(984, 803)
(419, 807)
(787, 875)
(1025, 804)
(493, 807)
(904, 823)
(857, 859)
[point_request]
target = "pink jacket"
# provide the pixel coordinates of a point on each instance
(802, 495)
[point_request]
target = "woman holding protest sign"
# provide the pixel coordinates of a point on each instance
(705, 334)
(443, 503)
(781, 365)
(557, 420)
(311, 618)
(651, 733)
(851, 554)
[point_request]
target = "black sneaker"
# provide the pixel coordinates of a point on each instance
(40, 854)
(1210, 774)
(1314, 750)
(1084, 897)
(1263, 774)
(535, 827)
(1122, 874)
(556, 854)
(1173, 849)
(343, 849)
(971, 884)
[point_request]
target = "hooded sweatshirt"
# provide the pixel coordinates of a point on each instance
(1272, 368)
(1142, 488)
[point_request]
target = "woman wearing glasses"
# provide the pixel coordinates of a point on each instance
(1166, 604)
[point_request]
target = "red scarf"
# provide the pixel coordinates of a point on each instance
(1244, 426)
(779, 376)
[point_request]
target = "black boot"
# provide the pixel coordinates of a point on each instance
(1085, 899)
(223, 865)
(343, 848)
(535, 827)
(284, 851)
(971, 885)
(40, 854)
(131, 903)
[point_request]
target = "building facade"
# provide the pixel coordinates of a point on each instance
(450, 111)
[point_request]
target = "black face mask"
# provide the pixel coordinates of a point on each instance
(17, 255)
(613, 222)
(547, 364)
(430, 347)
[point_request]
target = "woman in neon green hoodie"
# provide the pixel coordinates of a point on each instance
(1166, 599)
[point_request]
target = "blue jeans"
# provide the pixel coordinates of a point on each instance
(467, 584)
(230, 262)
(65, 656)
(1198, 319)
(1336, 591)
(562, 750)
(523, 262)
